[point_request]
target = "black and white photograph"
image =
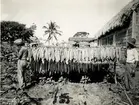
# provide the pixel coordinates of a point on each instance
(69, 52)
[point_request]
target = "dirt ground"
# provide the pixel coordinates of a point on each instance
(75, 94)
(70, 94)
(79, 94)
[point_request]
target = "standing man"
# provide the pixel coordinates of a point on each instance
(22, 64)
(131, 63)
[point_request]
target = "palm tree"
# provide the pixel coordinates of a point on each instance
(52, 31)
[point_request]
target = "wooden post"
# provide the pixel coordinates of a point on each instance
(114, 39)
(115, 61)
(134, 24)
(98, 42)
(137, 27)
(126, 37)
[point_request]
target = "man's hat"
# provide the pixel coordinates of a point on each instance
(33, 43)
(132, 41)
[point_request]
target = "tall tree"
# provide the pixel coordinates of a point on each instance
(11, 30)
(52, 30)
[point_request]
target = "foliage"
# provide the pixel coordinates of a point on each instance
(34, 39)
(33, 27)
(8, 65)
(52, 30)
(11, 30)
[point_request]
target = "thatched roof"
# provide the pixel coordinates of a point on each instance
(120, 19)
(81, 34)
(80, 39)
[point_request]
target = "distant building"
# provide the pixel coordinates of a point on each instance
(82, 42)
(80, 39)
(81, 34)
(121, 27)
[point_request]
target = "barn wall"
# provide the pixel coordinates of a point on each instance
(120, 38)
(106, 40)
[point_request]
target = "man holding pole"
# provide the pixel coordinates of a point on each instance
(131, 63)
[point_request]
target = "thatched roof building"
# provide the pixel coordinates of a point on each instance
(124, 24)
(78, 39)
(82, 41)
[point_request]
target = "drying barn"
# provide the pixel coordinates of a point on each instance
(83, 42)
(81, 39)
(121, 27)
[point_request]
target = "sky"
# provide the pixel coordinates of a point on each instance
(71, 15)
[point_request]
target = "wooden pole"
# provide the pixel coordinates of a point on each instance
(114, 39)
(126, 37)
(114, 44)
(115, 77)
(134, 24)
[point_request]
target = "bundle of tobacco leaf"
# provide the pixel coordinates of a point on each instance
(82, 55)
(66, 59)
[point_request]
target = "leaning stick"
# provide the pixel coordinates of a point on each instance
(126, 95)
(115, 77)
(128, 98)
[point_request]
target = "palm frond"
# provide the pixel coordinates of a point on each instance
(49, 25)
(45, 27)
(46, 32)
(55, 37)
(58, 33)
(56, 26)
(49, 37)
